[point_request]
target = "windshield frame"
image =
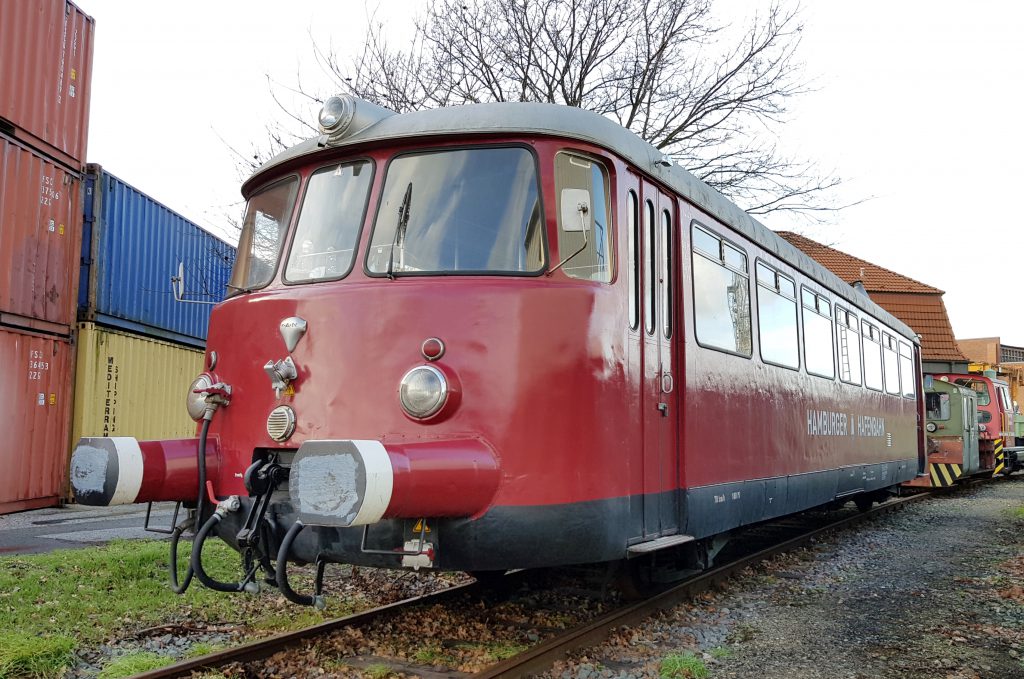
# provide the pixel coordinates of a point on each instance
(378, 195)
(300, 204)
(234, 290)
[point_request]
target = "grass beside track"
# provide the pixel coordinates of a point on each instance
(54, 604)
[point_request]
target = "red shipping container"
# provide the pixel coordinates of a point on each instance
(35, 397)
(45, 73)
(40, 240)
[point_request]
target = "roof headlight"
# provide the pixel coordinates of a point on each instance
(423, 391)
(196, 403)
(336, 113)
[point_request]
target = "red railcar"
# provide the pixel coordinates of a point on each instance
(514, 335)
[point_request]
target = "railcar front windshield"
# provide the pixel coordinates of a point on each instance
(459, 211)
(263, 232)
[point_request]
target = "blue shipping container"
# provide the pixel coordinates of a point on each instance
(131, 248)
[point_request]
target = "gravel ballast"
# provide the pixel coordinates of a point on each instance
(933, 590)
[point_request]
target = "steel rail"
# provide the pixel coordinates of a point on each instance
(264, 648)
(541, 657)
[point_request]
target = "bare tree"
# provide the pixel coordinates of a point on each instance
(706, 96)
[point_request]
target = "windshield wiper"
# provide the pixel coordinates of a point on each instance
(400, 227)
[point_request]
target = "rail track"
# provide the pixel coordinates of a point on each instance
(544, 652)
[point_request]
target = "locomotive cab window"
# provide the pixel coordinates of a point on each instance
(936, 406)
(776, 317)
(848, 346)
(459, 211)
(584, 233)
(721, 293)
(818, 350)
(263, 230)
(979, 387)
(329, 219)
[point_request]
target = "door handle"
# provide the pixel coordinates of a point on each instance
(663, 409)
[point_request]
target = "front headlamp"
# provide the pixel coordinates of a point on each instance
(423, 391)
(196, 403)
(335, 114)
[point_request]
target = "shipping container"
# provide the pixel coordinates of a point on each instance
(40, 239)
(45, 74)
(36, 401)
(129, 385)
(131, 249)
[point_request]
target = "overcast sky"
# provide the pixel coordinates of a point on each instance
(917, 107)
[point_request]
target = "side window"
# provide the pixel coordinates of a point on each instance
(848, 336)
(872, 357)
(584, 236)
(979, 387)
(666, 273)
(907, 371)
(818, 349)
(721, 293)
(776, 317)
(891, 364)
(633, 272)
(649, 291)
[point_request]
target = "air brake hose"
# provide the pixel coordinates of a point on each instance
(196, 557)
(286, 590)
(200, 502)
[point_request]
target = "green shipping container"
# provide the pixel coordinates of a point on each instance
(128, 385)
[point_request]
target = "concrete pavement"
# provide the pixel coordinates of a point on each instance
(74, 526)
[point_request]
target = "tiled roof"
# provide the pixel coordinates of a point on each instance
(916, 304)
(850, 268)
(926, 314)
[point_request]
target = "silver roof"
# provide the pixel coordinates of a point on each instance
(524, 119)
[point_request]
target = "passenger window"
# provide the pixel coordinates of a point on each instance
(907, 377)
(848, 335)
(872, 357)
(666, 274)
(721, 294)
(649, 292)
(776, 318)
(634, 261)
(587, 234)
(891, 364)
(818, 348)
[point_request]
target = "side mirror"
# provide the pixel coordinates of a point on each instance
(576, 213)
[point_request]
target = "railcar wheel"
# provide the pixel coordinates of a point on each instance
(489, 579)
(863, 503)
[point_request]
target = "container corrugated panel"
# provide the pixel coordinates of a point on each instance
(129, 385)
(40, 239)
(45, 76)
(35, 398)
(133, 245)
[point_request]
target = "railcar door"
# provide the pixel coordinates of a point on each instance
(658, 389)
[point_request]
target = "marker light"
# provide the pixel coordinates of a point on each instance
(196, 403)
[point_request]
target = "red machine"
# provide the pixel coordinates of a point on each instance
(514, 335)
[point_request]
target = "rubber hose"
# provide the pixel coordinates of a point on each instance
(282, 568)
(175, 587)
(196, 560)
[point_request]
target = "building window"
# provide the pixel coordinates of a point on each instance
(721, 293)
(776, 317)
(818, 348)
